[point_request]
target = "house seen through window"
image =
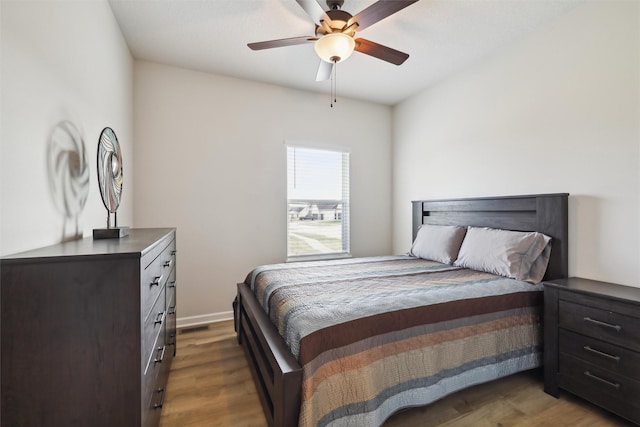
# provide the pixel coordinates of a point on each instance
(317, 202)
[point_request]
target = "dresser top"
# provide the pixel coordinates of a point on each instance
(138, 242)
(595, 287)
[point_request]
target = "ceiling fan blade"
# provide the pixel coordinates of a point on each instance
(315, 11)
(282, 42)
(378, 11)
(324, 71)
(381, 52)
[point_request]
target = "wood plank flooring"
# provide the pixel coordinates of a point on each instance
(210, 385)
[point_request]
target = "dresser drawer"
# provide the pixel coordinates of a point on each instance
(154, 277)
(613, 358)
(153, 367)
(155, 382)
(617, 393)
(171, 287)
(152, 326)
(168, 259)
(153, 396)
(153, 409)
(152, 405)
(601, 324)
(171, 316)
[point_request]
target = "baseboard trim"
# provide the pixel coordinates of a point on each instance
(185, 322)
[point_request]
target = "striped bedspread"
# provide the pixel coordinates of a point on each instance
(374, 335)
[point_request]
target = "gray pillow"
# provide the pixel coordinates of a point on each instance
(439, 243)
(515, 254)
(539, 266)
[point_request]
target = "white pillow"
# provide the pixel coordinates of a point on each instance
(505, 253)
(439, 243)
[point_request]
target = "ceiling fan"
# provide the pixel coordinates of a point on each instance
(335, 33)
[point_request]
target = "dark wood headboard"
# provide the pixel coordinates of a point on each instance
(545, 213)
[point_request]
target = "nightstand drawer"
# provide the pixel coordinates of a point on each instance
(601, 324)
(607, 356)
(614, 392)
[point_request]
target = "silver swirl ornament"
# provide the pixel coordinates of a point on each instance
(68, 171)
(109, 169)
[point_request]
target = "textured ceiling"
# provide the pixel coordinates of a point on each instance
(441, 36)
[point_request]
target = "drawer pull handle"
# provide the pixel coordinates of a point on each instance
(159, 404)
(605, 324)
(161, 351)
(173, 253)
(171, 310)
(602, 353)
(172, 284)
(156, 281)
(167, 263)
(159, 318)
(602, 380)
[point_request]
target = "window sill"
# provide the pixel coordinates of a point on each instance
(318, 257)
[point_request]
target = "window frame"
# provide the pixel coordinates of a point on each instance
(345, 201)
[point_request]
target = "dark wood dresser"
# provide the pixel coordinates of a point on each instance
(592, 343)
(88, 331)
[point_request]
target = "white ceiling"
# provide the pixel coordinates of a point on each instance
(441, 37)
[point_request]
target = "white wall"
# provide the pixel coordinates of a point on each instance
(211, 161)
(60, 61)
(557, 112)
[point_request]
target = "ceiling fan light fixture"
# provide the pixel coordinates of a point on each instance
(335, 47)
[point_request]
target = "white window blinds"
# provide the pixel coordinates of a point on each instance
(317, 202)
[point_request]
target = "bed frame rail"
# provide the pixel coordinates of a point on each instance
(276, 373)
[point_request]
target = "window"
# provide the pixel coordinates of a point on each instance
(317, 202)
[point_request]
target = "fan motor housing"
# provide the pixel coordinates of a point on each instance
(339, 19)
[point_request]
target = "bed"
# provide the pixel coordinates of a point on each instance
(414, 343)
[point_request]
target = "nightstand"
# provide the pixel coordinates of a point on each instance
(592, 343)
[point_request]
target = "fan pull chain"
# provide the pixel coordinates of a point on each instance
(334, 84)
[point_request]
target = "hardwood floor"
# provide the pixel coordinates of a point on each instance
(210, 385)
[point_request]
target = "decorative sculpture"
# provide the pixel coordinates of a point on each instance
(110, 178)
